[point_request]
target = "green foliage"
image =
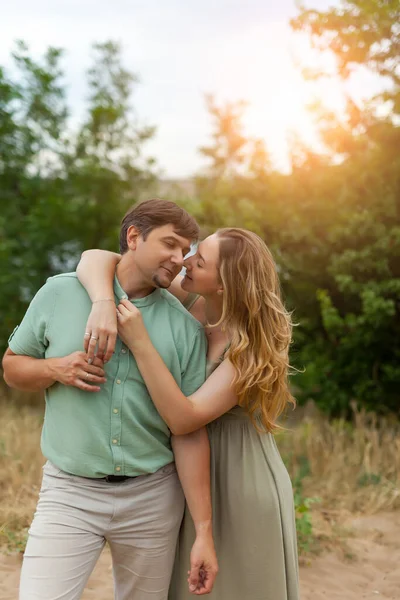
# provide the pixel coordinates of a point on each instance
(335, 232)
(358, 33)
(14, 539)
(369, 479)
(334, 222)
(62, 191)
(306, 539)
(350, 339)
(352, 348)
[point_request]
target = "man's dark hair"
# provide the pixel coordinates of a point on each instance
(150, 214)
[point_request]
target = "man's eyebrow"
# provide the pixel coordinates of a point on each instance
(186, 249)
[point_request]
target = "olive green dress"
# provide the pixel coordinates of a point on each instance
(253, 515)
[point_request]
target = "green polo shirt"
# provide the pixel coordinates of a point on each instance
(117, 430)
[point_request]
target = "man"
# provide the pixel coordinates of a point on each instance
(110, 474)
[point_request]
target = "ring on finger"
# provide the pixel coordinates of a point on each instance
(87, 376)
(87, 334)
(93, 337)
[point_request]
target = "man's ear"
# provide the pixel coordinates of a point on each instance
(132, 236)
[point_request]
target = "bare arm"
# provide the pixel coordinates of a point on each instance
(192, 457)
(96, 271)
(183, 414)
(30, 374)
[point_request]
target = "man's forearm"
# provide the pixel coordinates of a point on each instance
(192, 458)
(29, 374)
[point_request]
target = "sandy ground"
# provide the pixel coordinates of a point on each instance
(372, 572)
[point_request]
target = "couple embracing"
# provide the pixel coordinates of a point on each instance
(158, 434)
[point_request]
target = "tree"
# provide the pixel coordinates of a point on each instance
(229, 190)
(32, 117)
(359, 33)
(333, 224)
(105, 170)
(352, 344)
(61, 191)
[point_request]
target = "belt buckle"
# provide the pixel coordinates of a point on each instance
(115, 478)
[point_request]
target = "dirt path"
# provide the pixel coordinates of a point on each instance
(373, 573)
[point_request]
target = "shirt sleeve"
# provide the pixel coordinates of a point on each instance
(30, 337)
(194, 374)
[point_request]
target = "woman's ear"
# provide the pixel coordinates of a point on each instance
(132, 236)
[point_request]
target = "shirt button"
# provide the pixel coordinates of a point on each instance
(115, 411)
(115, 441)
(123, 351)
(117, 468)
(118, 381)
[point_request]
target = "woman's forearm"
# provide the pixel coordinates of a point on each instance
(183, 414)
(177, 410)
(192, 458)
(96, 271)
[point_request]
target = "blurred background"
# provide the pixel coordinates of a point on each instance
(275, 117)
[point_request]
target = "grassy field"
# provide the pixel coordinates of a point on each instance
(338, 469)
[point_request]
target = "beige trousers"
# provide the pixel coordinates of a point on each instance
(75, 516)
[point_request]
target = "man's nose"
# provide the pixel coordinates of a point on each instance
(177, 258)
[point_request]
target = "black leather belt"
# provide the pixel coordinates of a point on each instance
(115, 478)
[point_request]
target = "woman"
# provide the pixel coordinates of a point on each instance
(231, 286)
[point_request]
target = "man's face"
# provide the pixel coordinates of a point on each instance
(160, 256)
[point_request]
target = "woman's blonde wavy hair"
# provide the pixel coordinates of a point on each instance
(259, 326)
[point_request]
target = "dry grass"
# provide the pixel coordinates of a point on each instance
(352, 468)
(20, 467)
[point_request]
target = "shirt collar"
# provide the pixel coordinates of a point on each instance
(120, 294)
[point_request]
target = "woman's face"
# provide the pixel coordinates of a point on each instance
(202, 268)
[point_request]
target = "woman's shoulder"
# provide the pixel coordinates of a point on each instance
(175, 306)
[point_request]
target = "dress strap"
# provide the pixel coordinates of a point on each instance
(222, 357)
(190, 299)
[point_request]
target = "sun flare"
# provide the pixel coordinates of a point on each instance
(266, 68)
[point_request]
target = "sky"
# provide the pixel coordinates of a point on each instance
(182, 50)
